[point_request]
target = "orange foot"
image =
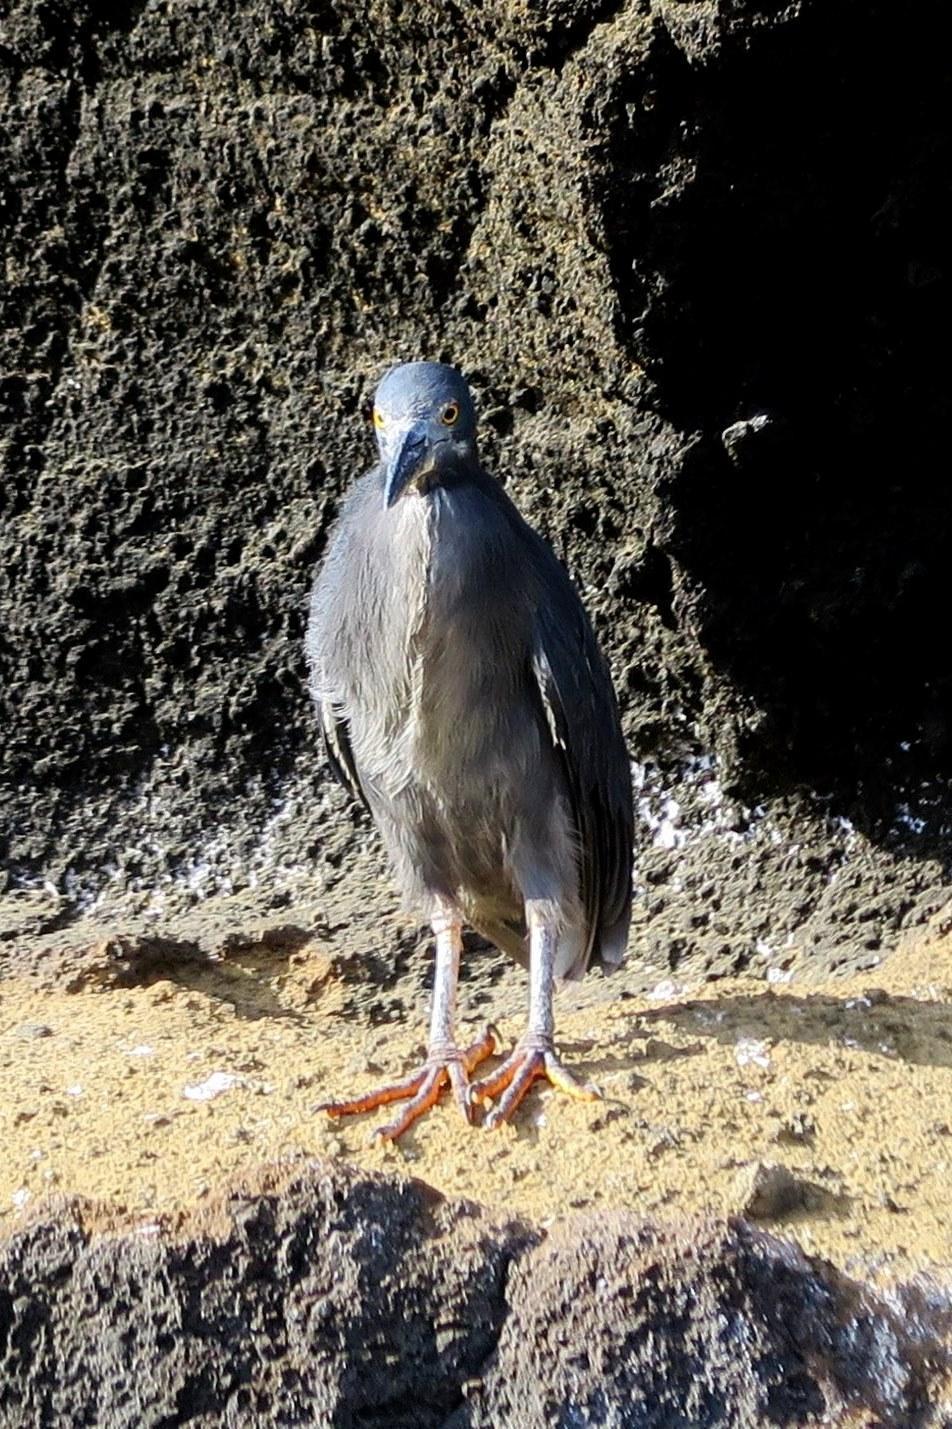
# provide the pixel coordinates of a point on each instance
(532, 1059)
(445, 1064)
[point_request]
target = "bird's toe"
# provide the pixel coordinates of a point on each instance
(445, 1065)
(380, 1096)
(529, 1063)
(565, 1081)
(427, 1096)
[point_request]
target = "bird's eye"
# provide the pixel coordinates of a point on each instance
(379, 418)
(450, 414)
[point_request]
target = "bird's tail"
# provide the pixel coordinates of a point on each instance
(610, 946)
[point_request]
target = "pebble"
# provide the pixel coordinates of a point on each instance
(797, 1129)
(666, 991)
(749, 1052)
(664, 1138)
(767, 1190)
(212, 1086)
(30, 1031)
(161, 991)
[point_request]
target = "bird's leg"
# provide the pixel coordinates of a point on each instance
(445, 1062)
(534, 1056)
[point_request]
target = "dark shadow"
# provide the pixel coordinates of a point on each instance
(780, 225)
(242, 978)
(817, 1202)
(900, 1028)
(244, 982)
(647, 1056)
(380, 973)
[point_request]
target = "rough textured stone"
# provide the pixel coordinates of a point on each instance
(338, 1299)
(693, 257)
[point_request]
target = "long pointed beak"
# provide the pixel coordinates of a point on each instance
(405, 462)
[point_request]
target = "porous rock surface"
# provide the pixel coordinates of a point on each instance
(341, 1299)
(692, 257)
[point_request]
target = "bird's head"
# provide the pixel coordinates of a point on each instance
(423, 417)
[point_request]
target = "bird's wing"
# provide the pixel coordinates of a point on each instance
(330, 638)
(340, 753)
(581, 711)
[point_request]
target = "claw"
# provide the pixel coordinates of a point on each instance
(422, 1089)
(527, 1064)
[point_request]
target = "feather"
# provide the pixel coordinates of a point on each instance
(578, 702)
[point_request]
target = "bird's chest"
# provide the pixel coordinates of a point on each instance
(465, 641)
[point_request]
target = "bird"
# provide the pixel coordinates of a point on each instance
(464, 700)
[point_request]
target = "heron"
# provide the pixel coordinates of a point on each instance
(465, 702)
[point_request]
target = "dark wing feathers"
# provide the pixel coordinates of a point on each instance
(582, 714)
(340, 754)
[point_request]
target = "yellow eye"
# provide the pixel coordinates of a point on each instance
(379, 418)
(450, 414)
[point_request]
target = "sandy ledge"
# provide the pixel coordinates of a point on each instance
(146, 1083)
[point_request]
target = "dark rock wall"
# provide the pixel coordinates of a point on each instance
(346, 1300)
(635, 227)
